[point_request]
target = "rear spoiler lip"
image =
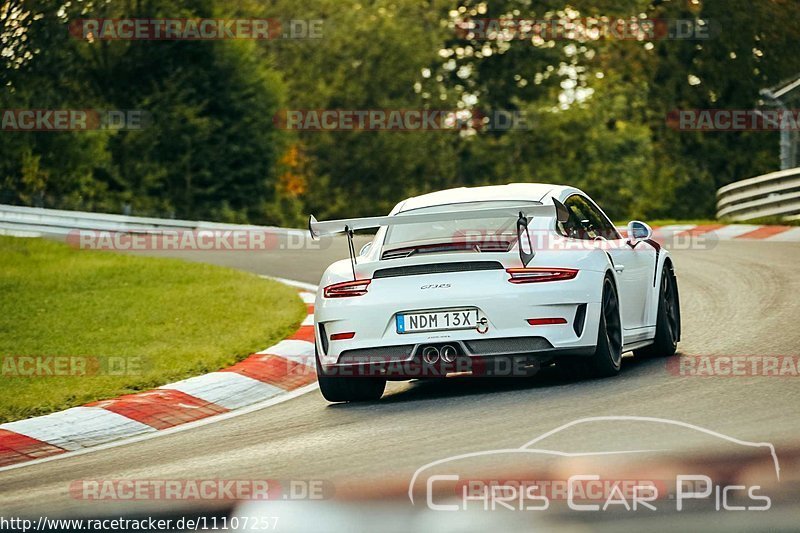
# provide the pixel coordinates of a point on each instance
(319, 229)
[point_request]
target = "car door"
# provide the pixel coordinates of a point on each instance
(634, 266)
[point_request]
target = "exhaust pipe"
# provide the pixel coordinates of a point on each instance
(430, 354)
(448, 353)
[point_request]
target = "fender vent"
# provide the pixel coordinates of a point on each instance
(323, 338)
(580, 320)
(436, 268)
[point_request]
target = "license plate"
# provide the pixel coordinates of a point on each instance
(437, 321)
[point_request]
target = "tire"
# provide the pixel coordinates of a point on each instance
(348, 389)
(606, 361)
(668, 320)
(607, 358)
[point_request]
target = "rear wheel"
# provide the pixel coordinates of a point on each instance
(348, 389)
(668, 320)
(606, 360)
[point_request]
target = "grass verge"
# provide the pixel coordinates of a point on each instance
(148, 321)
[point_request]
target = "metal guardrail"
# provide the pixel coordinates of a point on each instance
(776, 194)
(37, 222)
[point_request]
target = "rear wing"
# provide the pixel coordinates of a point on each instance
(333, 227)
(522, 212)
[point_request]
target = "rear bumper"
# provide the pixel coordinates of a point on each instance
(506, 307)
(494, 360)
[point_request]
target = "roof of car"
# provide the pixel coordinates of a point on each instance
(535, 192)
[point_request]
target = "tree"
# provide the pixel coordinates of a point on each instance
(210, 147)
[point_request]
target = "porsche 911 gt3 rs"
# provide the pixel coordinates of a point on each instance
(496, 280)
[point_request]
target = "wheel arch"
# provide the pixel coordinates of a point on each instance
(670, 269)
(665, 264)
(610, 272)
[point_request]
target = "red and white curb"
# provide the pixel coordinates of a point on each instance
(283, 370)
(730, 232)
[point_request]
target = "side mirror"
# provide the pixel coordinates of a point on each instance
(365, 249)
(637, 232)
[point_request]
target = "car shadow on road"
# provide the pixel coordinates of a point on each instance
(550, 378)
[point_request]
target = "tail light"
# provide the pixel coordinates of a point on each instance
(546, 321)
(347, 289)
(537, 274)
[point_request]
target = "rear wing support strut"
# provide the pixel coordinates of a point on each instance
(526, 251)
(525, 255)
(352, 249)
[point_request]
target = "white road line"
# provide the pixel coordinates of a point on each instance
(293, 283)
(308, 297)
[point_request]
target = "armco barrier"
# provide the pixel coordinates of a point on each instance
(776, 194)
(37, 221)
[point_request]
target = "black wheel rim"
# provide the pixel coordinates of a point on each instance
(670, 306)
(613, 329)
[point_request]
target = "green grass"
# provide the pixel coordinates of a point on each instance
(179, 319)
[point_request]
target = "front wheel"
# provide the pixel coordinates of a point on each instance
(348, 389)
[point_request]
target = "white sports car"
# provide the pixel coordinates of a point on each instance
(497, 280)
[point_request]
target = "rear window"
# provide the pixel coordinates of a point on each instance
(456, 229)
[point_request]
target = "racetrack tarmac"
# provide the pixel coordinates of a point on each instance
(738, 298)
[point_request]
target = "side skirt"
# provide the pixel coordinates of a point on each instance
(636, 345)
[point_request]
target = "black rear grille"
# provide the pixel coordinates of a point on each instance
(508, 345)
(436, 268)
(375, 355)
(397, 254)
(494, 246)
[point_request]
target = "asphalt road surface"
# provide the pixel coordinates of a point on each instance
(738, 298)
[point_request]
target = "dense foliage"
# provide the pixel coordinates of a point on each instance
(595, 108)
